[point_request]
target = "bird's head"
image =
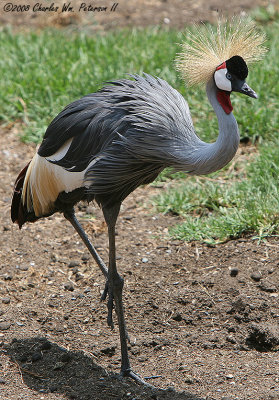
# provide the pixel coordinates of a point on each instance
(222, 55)
(230, 77)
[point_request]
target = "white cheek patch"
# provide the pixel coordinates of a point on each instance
(222, 81)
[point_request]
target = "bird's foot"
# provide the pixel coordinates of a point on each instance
(131, 374)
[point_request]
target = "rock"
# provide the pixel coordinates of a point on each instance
(188, 379)
(229, 376)
(267, 286)
(85, 258)
(109, 351)
(256, 276)
(73, 264)
(23, 267)
(144, 260)
(4, 326)
(234, 271)
(6, 300)
(8, 277)
(69, 286)
(177, 317)
(53, 257)
(58, 365)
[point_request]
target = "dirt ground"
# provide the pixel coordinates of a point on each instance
(203, 321)
(132, 13)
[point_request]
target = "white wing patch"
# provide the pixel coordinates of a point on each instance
(45, 180)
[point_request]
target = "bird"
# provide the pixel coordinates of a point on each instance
(104, 145)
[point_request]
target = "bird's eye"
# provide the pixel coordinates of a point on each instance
(228, 76)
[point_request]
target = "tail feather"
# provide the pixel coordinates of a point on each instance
(18, 210)
(37, 188)
(32, 198)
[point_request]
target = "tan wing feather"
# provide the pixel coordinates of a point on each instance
(207, 48)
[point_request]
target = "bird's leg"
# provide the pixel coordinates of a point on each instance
(71, 217)
(115, 287)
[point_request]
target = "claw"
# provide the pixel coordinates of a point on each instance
(130, 374)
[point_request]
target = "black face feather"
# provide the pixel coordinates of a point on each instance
(238, 67)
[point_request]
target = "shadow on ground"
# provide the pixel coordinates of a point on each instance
(48, 368)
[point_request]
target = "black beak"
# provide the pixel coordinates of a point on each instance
(242, 87)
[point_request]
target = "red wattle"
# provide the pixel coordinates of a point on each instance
(225, 101)
(222, 66)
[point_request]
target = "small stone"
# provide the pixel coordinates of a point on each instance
(73, 264)
(69, 286)
(269, 287)
(8, 277)
(229, 376)
(177, 317)
(53, 257)
(256, 276)
(144, 260)
(234, 271)
(23, 267)
(6, 300)
(4, 326)
(85, 258)
(58, 365)
(189, 379)
(2, 381)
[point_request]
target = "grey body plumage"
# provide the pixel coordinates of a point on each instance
(131, 130)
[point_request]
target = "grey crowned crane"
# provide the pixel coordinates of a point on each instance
(104, 145)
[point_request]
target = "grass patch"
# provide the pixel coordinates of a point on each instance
(39, 80)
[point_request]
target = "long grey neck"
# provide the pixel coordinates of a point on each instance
(210, 157)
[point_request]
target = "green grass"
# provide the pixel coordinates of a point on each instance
(42, 72)
(228, 206)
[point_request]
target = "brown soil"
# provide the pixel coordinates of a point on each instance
(132, 13)
(203, 321)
